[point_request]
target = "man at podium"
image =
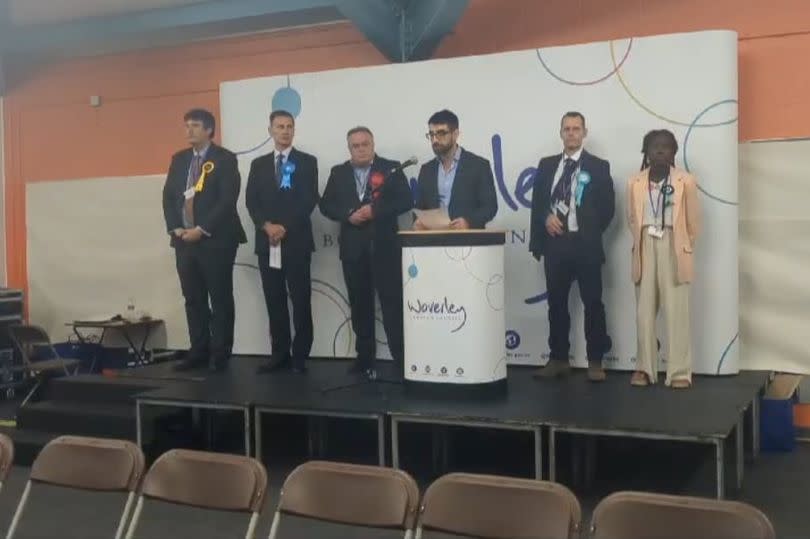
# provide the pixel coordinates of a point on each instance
(457, 181)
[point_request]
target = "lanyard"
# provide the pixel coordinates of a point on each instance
(660, 200)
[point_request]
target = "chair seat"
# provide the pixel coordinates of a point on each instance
(53, 364)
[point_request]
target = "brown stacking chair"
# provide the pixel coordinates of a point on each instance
(494, 507)
(6, 457)
(29, 340)
(368, 496)
(637, 515)
(209, 480)
(91, 464)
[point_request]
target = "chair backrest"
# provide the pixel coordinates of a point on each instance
(208, 480)
(27, 338)
(495, 507)
(352, 494)
(631, 515)
(90, 463)
(6, 456)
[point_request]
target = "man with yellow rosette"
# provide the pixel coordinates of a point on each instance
(199, 205)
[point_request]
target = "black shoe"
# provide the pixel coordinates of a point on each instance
(218, 365)
(189, 364)
(272, 365)
(359, 366)
(299, 369)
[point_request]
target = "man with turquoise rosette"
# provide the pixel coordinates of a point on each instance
(282, 191)
(573, 202)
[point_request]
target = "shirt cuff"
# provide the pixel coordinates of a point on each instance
(204, 231)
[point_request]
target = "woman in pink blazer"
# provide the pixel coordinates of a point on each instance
(664, 217)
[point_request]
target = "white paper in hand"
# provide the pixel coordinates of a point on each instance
(275, 256)
(436, 219)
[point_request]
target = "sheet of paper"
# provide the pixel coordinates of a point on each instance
(275, 256)
(437, 219)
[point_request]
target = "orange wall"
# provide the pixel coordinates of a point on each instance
(52, 133)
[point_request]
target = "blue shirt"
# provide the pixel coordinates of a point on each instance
(361, 180)
(447, 178)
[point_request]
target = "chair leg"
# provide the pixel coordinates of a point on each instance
(18, 513)
(254, 520)
(119, 533)
(31, 393)
(136, 516)
(274, 526)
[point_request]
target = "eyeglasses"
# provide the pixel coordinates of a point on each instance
(441, 133)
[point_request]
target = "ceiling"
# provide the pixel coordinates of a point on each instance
(33, 31)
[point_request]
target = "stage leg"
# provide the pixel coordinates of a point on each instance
(739, 438)
(538, 452)
(755, 427)
(138, 424)
(720, 464)
(394, 443)
(247, 431)
(381, 440)
(590, 461)
(552, 454)
(257, 441)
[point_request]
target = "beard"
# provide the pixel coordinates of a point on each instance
(441, 149)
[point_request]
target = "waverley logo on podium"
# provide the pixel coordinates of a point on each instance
(444, 310)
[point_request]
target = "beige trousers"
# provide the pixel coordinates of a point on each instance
(659, 288)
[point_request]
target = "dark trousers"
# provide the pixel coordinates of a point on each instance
(294, 276)
(380, 271)
(567, 259)
(206, 273)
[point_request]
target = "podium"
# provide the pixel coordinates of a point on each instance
(453, 310)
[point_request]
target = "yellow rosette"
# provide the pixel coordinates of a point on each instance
(207, 168)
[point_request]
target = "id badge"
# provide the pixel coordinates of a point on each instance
(561, 207)
(189, 193)
(655, 232)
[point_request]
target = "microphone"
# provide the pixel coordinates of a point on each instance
(405, 164)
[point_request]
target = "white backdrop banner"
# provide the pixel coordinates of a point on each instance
(510, 106)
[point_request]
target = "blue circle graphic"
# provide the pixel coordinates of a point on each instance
(512, 339)
(287, 99)
(413, 271)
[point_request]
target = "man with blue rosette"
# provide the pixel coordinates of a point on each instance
(282, 191)
(573, 203)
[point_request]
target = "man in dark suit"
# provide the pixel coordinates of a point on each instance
(366, 195)
(199, 206)
(457, 180)
(281, 193)
(572, 206)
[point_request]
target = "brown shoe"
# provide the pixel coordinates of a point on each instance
(595, 371)
(680, 383)
(553, 369)
(639, 379)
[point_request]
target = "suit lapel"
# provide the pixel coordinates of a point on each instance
(552, 171)
(457, 179)
(677, 195)
(641, 187)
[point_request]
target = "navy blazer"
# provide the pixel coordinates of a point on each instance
(593, 214)
(473, 195)
(214, 206)
(291, 208)
(340, 200)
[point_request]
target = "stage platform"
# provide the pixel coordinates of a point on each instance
(717, 411)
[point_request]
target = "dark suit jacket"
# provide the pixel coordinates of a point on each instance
(390, 200)
(214, 206)
(291, 208)
(593, 215)
(473, 195)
